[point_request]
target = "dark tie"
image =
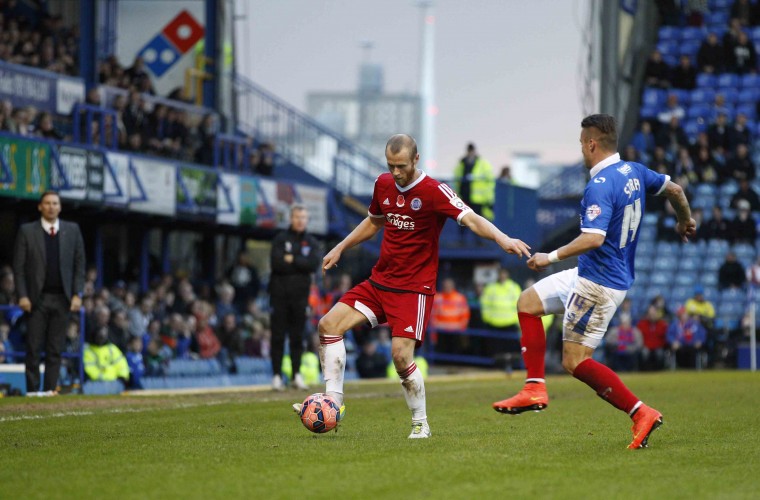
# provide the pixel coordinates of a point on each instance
(52, 230)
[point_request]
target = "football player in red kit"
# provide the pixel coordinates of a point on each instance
(412, 207)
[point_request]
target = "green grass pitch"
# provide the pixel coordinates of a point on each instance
(251, 445)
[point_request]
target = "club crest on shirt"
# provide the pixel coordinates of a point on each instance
(400, 202)
(593, 212)
(625, 169)
(416, 204)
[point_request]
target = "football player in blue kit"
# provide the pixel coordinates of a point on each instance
(588, 295)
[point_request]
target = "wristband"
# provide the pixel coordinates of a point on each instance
(553, 257)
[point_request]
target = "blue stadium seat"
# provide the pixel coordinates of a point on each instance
(716, 18)
(733, 295)
(748, 96)
(647, 233)
(643, 263)
(720, 5)
(649, 219)
(654, 291)
(712, 263)
(101, 388)
(693, 34)
(729, 187)
(661, 277)
(668, 48)
(728, 80)
(706, 80)
(669, 33)
(682, 293)
(153, 382)
(754, 34)
(706, 189)
(717, 248)
(690, 48)
(748, 110)
(697, 111)
(642, 278)
(692, 128)
(750, 80)
(711, 292)
(649, 112)
(683, 96)
(702, 95)
(732, 310)
(667, 248)
(688, 267)
(253, 366)
(653, 97)
(645, 249)
(665, 263)
(704, 202)
(730, 94)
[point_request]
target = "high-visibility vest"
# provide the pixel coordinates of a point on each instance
(482, 184)
(105, 362)
(309, 367)
(704, 308)
(498, 304)
(450, 312)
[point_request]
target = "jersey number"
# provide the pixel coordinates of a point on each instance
(631, 219)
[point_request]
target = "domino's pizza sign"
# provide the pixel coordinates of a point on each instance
(174, 41)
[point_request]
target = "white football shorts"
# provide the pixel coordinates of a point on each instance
(587, 306)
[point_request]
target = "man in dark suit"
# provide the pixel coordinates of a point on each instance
(49, 266)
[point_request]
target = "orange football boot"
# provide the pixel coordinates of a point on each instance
(645, 420)
(531, 397)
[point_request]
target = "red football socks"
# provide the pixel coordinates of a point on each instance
(607, 385)
(533, 342)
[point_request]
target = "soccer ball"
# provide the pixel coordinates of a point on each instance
(320, 413)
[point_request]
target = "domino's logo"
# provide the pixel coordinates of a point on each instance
(174, 41)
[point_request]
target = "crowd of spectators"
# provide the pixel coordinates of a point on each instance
(30, 36)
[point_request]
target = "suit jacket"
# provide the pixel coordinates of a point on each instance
(29, 263)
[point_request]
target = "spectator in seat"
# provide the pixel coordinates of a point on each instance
(685, 74)
(672, 110)
(686, 338)
(707, 168)
(685, 166)
(207, 344)
(700, 308)
(498, 307)
(744, 226)
(657, 71)
(719, 106)
(135, 362)
(731, 38)
(265, 165)
(717, 228)
(672, 137)
(739, 133)
(371, 363)
(134, 114)
(103, 361)
(717, 134)
(225, 303)
(230, 335)
(139, 317)
(644, 141)
(742, 11)
(451, 313)
(624, 344)
(742, 58)
(746, 192)
(753, 273)
(711, 55)
(731, 274)
(206, 133)
(244, 279)
(740, 167)
(654, 333)
(46, 129)
(7, 288)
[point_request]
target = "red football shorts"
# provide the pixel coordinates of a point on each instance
(407, 313)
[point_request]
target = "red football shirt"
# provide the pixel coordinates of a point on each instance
(414, 216)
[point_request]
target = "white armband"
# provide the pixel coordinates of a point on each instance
(553, 257)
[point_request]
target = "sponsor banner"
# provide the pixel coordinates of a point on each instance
(196, 191)
(250, 202)
(84, 171)
(116, 179)
(228, 200)
(315, 200)
(26, 86)
(25, 172)
(276, 198)
(152, 187)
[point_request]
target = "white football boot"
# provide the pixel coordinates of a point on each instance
(420, 430)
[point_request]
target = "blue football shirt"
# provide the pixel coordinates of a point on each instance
(613, 203)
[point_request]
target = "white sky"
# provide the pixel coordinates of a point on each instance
(506, 70)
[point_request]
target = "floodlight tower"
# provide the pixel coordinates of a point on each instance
(427, 85)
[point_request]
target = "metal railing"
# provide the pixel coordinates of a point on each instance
(301, 140)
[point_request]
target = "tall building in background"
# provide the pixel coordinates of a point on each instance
(369, 115)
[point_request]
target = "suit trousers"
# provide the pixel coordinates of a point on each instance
(46, 328)
(288, 317)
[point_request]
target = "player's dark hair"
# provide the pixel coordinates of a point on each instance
(49, 193)
(402, 141)
(297, 207)
(607, 126)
